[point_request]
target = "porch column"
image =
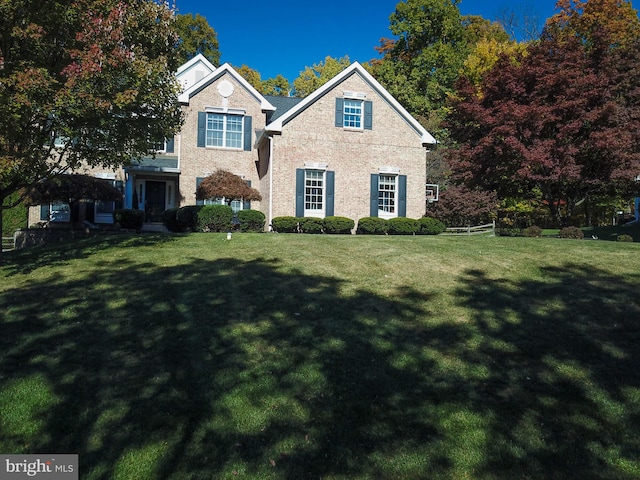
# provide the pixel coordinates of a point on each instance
(128, 191)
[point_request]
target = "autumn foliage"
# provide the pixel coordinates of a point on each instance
(225, 184)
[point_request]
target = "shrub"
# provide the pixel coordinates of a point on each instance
(187, 218)
(372, 226)
(215, 218)
(571, 232)
(532, 231)
(15, 217)
(403, 226)
(430, 226)
(311, 225)
(340, 225)
(170, 219)
(285, 224)
(625, 238)
(129, 218)
(251, 220)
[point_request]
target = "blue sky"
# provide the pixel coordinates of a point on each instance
(285, 37)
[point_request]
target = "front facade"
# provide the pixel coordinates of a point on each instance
(349, 149)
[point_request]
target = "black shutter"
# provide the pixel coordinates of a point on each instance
(368, 115)
(339, 112)
(246, 205)
(373, 199)
(198, 182)
(247, 134)
(202, 129)
(300, 192)
(402, 195)
(330, 193)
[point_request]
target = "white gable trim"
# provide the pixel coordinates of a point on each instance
(276, 127)
(194, 61)
(186, 96)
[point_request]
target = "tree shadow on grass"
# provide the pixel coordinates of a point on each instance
(562, 383)
(223, 369)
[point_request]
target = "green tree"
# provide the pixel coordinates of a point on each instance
(85, 82)
(195, 36)
(312, 78)
(278, 86)
(252, 76)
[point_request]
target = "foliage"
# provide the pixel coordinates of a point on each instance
(460, 206)
(340, 225)
(196, 36)
(311, 225)
(251, 220)
(252, 76)
(421, 65)
(571, 232)
(278, 86)
(222, 183)
(129, 219)
(556, 124)
(532, 231)
(82, 83)
(187, 218)
(625, 238)
(71, 188)
(372, 226)
(215, 218)
(285, 224)
(403, 226)
(312, 78)
(15, 217)
(170, 220)
(430, 226)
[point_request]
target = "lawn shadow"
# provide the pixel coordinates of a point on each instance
(562, 384)
(225, 368)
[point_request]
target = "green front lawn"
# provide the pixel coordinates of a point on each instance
(337, 357)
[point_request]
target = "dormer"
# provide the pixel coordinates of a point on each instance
(194, 71)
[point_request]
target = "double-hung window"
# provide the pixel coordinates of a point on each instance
(224, 130)
(352, 113)
(387, 195)
(314, 191)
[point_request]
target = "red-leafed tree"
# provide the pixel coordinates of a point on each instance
(556, 125)
(82, 82)
(224, 184)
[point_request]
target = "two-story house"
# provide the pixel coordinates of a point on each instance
(348, 149)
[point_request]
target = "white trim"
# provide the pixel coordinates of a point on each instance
(354, 95)
(229, 111)
(105, 176)
(315, 166)
(389, 170)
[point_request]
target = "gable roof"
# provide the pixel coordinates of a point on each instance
(279, 121)
(207, 80)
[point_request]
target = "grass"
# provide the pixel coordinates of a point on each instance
(333, 357)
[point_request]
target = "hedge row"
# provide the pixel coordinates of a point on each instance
(212, 218)
(366, 226)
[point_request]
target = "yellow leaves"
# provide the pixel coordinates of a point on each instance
(485, 55)
(123, 98)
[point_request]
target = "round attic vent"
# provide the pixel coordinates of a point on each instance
(225, 88)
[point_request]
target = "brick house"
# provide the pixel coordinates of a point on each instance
(348, 149)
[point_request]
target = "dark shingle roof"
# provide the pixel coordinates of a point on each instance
(282, 104)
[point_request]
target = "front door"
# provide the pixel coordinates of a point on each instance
(154, 200)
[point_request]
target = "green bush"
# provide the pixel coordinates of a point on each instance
(215, 218)
(130, 219)
(15, 217)
(187, 218)
(571, 232)
(403, 226)
(430, 226)
(285, 224)
(311, 225)
(339, 225)
(170, 219)
(625, 238)
(532, 231)
(251, 220)
(372, 226)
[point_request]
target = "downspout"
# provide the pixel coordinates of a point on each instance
(270, 181)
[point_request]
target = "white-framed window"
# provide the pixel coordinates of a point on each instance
(314, 193)
(387, 196)
(353, 110)
(55, 212)
(224, 130)
(236, 205)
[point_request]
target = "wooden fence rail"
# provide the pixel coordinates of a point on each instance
(489, 228)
